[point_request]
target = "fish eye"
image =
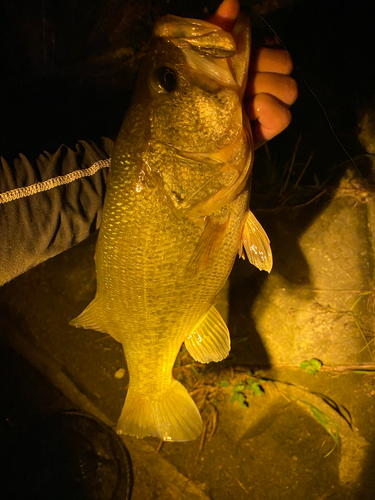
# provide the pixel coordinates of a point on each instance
(167, 78)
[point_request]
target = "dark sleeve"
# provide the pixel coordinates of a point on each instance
(50, 204)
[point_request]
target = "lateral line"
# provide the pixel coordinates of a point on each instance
(38, 187)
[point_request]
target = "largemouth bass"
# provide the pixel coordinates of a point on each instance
(175, 217)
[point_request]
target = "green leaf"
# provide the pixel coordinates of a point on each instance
(239, 339)
(257, 388)
(224, 383)
(234, 397)
(312, 365)
(326, 421)
(196, 372)
(242, 401)
(254, 386)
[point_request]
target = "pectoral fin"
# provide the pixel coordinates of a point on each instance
(209, 244)
(256, 244)
(90, 318)
(210, 340)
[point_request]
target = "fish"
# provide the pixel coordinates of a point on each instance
(176, 214)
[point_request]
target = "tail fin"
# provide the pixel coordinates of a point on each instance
(172, 416)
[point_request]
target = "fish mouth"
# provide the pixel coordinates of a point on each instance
(211, 53)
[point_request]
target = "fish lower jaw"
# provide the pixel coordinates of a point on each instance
(170, 415)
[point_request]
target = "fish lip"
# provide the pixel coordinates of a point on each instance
(240, 61)
(222, 62)
(203, 35)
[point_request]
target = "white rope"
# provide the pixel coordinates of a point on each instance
(22, 192)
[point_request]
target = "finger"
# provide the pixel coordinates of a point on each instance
(272, 117)
(226, 14)
(284, 87)
(269, 60)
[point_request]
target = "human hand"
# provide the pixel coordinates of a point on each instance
(270, 88)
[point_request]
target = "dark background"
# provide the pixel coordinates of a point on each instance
(68, 67)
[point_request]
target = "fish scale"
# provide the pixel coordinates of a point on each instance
(175, 217)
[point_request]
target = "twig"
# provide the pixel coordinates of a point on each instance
(324, 368)
(238, 481)
(201, 444)
(160, 446)
(291, 165)
(310, 201)
(303, 170)
(214, 424)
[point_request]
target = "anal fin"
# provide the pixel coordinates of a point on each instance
(90, 318)
(210, 340)
(256, 244)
